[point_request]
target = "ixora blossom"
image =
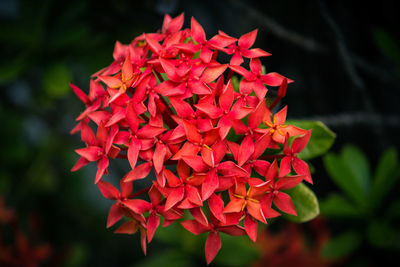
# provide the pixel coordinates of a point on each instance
(203, 142)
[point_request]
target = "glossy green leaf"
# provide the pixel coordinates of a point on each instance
(305, 202)
(338, 206)
(344, 178)
(386, 175)
(321, 139)
(342, 245)
(358, 165)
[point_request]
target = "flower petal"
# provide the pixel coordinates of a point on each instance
(210, 184)
(254, 209)
(199, 215)
(153, 221)
(129, 228)
(138, 206)
(173, 181)
(198, 33)
(255, 65)
(228, 168)
(216, 205)
(247, 40)
(91, 153)
(212, 111)
(174, 197)
(246, 149)
(288, 182)
(284, 203)
(192, 194)
(159, 156)
(108, 190)
(301, 167)
(133, 151)
(286, 166)
(196, 162)
(194, 227)
(213, 245)
(226, 98)
(139, 172)
(250, 225)
(80, 94)
(235, 205)
(114, 215)
(212, 73)
(80, 163)
(255, 52)
(274, 79)
(300, 142)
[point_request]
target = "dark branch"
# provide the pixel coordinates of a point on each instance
(278, 30)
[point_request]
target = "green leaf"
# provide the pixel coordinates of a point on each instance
(381, 235)
(393, 211)
(342, 245)
(343, 177)
(358, 165)
(164, 76)
(11, 69)
(305, 202)
(56, 80)
(77, 256)
(388, 44)
(235, 83)
(338, 206)
(321, 139)
(386, 175)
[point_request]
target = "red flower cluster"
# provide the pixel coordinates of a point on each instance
(167, 101)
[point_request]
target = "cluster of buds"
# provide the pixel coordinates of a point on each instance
(168, 106)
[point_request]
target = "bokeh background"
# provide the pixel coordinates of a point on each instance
(344, 57)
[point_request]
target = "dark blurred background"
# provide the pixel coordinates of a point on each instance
(343, 55)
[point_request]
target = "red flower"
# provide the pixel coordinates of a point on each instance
(254, 79)
(291, 158)
(110, 192)
(243, 48)
(248, 200)
(277, 128)
(276, 184)
(165, 107)
(98, 149)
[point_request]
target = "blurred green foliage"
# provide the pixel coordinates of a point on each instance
(365, 205)
(388, 45)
